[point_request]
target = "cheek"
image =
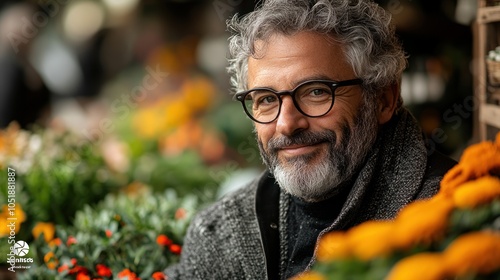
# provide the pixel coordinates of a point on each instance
(264, 132)
(339, 124)
(343, 113)
(334, 122)
(347, 111)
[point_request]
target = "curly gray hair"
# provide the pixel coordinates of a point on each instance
(361, 26)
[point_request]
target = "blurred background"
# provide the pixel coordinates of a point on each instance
(102, 101)
(78, 64)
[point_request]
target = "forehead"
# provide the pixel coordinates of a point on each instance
(286, 60)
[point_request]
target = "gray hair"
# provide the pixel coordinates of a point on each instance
(361, 26)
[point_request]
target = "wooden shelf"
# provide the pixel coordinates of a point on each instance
(488, 14)
(490, 114)
(494, 94)
(487, 96)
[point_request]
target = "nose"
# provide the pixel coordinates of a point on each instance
(290, 120)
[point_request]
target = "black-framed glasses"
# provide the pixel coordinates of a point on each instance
(313, 98)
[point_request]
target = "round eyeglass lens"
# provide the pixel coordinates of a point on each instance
(314, 99)
(262, 105)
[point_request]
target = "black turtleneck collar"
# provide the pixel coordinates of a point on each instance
(304, 223)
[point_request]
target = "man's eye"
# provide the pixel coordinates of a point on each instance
(318, 92)
(269, 99)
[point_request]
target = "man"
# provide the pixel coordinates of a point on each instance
(320, 80)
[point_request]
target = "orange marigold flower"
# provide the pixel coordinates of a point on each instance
(369, 239)
(422, 222)
(50, 260)
(127, 274)
(456, 176)
(55, 242)
(71, 240)
(476, 252)
(309, 275)
(476, 161)
(427, 266)
(333, 246)
(175, 249)
(477, 192)
(159, 276)
(103, 270)
(163, 240)
(48, 230)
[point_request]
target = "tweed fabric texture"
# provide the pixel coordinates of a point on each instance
(223, 241)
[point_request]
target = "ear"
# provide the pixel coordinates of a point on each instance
(387, 104)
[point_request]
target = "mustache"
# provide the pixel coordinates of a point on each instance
(301, 138)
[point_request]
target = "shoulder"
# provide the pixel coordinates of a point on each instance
(211, 246)
(228, 205)
(215, 224)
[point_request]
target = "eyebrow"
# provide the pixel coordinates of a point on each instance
(313, 77)
(305, 79)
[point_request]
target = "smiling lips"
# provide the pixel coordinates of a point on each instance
(298, 150)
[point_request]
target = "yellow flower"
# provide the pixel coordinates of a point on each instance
(428, 266)
(333, 246)
(422, 222)
(310, 275)
(371, 239)
(15, 215)
(48, 230)
(476, 252)
(176, 113)
(148, 122)
(198, 93)
(477, 192)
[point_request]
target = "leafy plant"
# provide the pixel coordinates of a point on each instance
(56, 174)
(125, 235)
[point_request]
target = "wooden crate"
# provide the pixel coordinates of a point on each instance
(486, 73)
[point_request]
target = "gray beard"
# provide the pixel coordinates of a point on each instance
(317, 176)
